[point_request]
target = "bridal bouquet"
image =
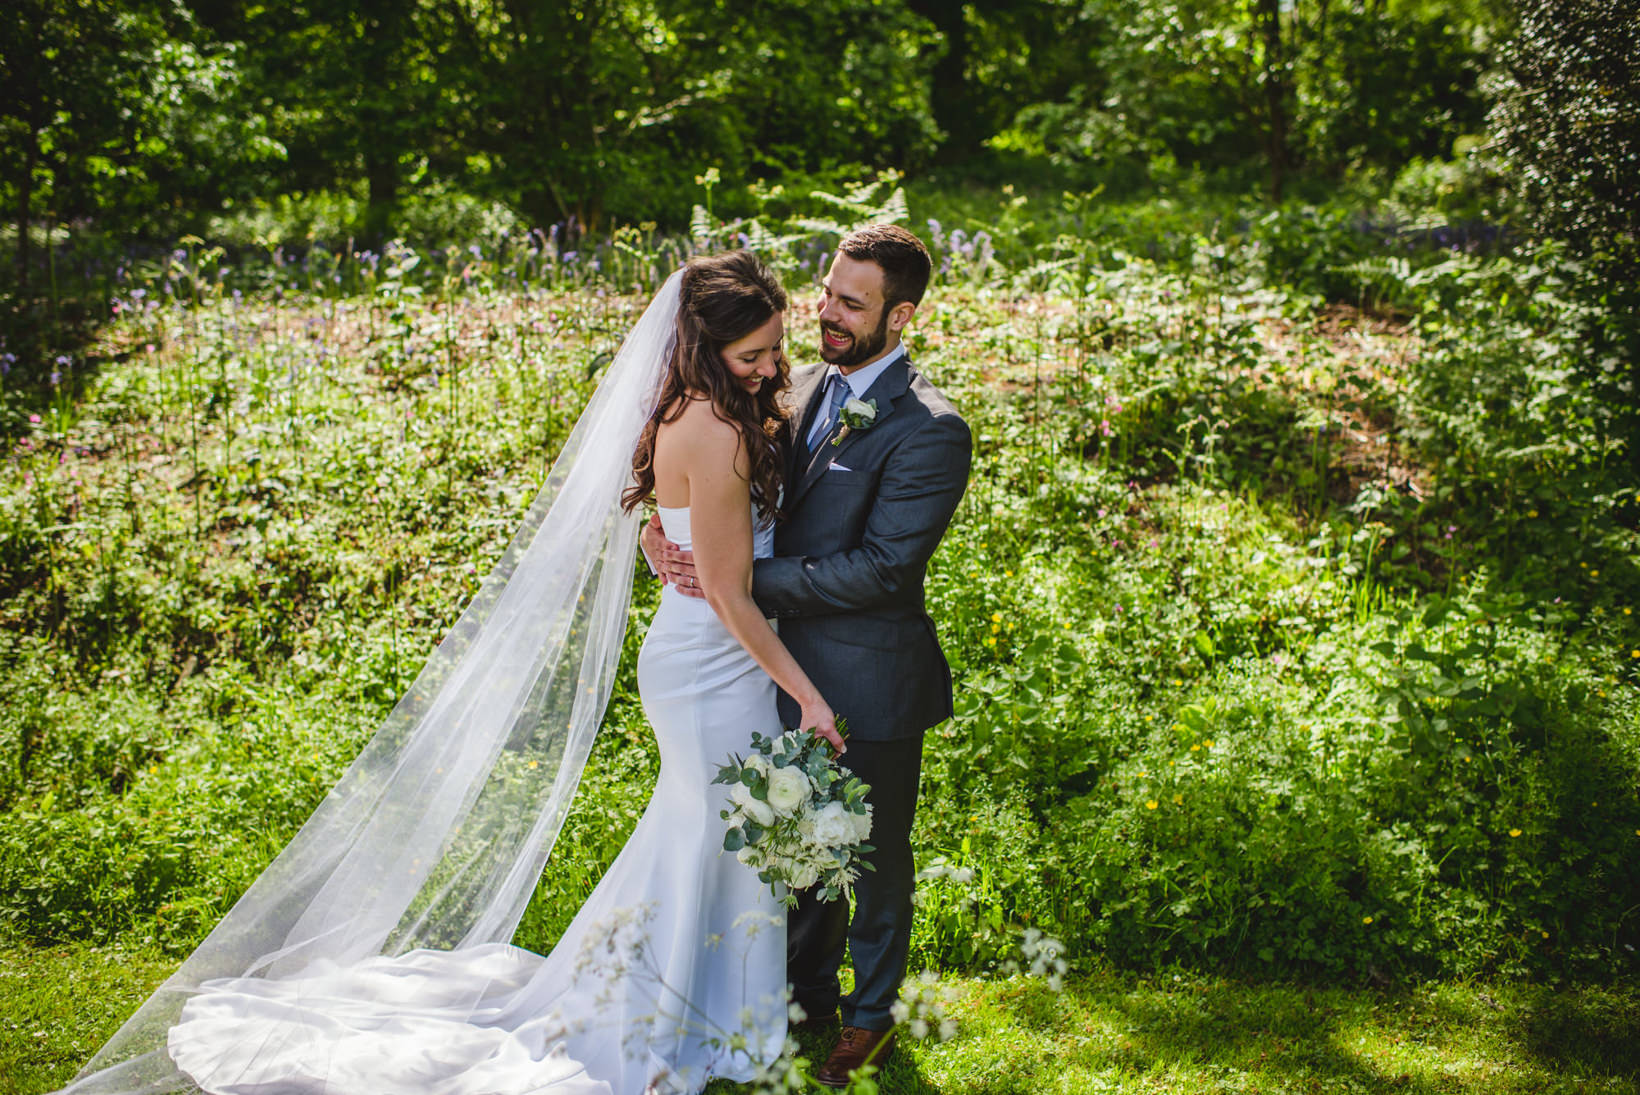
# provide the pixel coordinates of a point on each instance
(795, 816)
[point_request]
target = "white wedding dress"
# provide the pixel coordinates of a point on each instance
(672, 973)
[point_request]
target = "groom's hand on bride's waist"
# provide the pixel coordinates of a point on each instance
(669, 562)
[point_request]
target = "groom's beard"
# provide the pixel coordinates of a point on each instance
(859, 350)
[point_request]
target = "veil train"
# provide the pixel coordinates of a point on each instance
(436, 834)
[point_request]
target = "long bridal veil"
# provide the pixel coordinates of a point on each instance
(436, 834)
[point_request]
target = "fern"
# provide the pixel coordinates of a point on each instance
(858, 207)
(700, 223)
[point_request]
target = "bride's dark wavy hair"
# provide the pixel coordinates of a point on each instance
(722, 298)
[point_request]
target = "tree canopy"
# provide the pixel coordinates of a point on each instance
(147, 117)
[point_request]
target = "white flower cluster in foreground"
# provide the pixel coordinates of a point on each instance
(922, 1007)
(1041, 956)
(795, 817)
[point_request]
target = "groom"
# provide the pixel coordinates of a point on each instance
(879, 462)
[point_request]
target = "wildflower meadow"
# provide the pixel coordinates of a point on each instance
(1292, 614)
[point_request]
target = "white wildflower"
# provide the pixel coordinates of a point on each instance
(923, 1005)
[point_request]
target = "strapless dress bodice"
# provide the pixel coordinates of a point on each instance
(675, 520)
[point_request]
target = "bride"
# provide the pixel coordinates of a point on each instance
(372, 955)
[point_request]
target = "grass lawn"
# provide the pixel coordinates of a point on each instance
(1106, 1032)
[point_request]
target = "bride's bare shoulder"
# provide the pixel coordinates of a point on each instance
(698, 428)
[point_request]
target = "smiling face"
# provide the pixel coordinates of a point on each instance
(757, 357)
(856, 324)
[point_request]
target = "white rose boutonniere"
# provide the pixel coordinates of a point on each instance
(857, 414)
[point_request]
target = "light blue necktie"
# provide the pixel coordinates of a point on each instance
(835, 397)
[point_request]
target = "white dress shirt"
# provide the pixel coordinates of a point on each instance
(859, 382)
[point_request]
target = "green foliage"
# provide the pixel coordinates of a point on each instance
(369, 119)
(1269, 614)
(1566, 120)
(1227, 88)
(119, 109)
(1569, 118)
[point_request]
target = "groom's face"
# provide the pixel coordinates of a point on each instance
(854, 317)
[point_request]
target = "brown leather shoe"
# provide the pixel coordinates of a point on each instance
(854, 1046)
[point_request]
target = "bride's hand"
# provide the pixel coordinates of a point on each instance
(818, 716)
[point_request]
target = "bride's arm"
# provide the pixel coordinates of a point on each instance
(720, 517)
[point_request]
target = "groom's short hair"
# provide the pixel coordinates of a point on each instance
(901, 255)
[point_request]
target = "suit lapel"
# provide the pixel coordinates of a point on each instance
(802, 401)
(885, 390)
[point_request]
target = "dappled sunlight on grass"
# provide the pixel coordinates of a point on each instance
(1187, 1034)
(1104, 1033)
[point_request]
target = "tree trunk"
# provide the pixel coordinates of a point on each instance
(26, 70)
(381, 169)
(952, 109)
(1275, 95)
(25, 199)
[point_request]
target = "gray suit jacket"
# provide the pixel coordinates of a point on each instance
(863, 517)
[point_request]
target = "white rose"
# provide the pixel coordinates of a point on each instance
(861, 824)
(802, 875)
(760, 764)
(750, 856)
(788, 788)
(753, 807)
(860, 409)
(832, 826)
